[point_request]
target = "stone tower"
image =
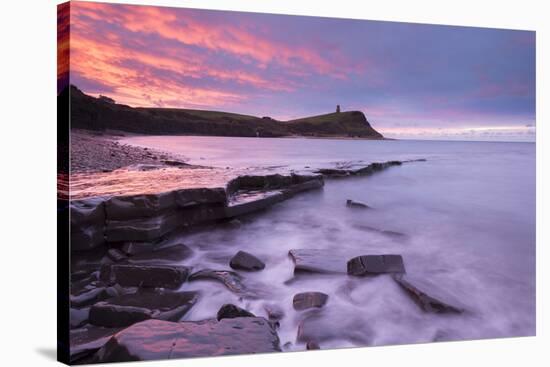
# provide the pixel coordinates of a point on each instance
(337, 108)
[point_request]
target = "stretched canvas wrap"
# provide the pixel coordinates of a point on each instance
(236, 183)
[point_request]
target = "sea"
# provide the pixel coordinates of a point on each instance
(464, 219)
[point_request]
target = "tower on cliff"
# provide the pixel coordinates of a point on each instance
(337, 108)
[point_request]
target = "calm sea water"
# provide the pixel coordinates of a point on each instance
(468, 216)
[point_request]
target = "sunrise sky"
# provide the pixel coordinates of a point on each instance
(411, 81)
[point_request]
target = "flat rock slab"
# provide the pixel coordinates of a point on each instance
(245, 261)
(375, 264)
(230, 279)
(303, 301)
(229, 311)
(156, 339)
(149, 276)
(165, 255)
(429, 296)
(317, 261)
(131, 308)
(87, 340)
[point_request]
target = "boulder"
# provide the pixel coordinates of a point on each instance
(245, 261)
(131, 308)
(428, 296)
(156, 339)
(303, 301)
(375, 264)
(161, 276)
(229, 311)
(318, 261)
(356, 204)
(245, 203)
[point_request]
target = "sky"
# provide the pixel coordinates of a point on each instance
(412, 81)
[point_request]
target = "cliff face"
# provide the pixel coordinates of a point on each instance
(102, 113)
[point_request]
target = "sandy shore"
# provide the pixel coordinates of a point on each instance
(102, 152)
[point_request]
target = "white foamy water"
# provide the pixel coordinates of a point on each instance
(468, 216)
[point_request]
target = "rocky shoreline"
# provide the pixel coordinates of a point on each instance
(128, 279)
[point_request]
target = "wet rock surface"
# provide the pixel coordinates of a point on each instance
(317, 261)
(155, 339)
(303, 301)
(163, 276)
(246, 261)
(375, 264)
(128, 309)
(428, 295)
(229, 311)
(232, 280)
(165, 255)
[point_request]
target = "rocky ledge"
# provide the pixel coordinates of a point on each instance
(127, 298)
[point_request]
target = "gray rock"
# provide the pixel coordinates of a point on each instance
(143, 229)
(356, 204)
(191, 197)
(311, 345)
(429, 296)
(78, 317)
(138, 206)
(131, 308)
(229, 311)
(375, 264)
(156, 339)
(91, 296)
(246, 261)
(161, 276)
(303, 301)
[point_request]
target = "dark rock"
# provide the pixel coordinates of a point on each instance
(303, 301)
(164, 255)
(317, 261)
(78, 317)
(245, 261)
(230, 279)
(162, 276)
(131, 308)
(428, 296)
(138, 206)
(356, 204)
(87, 340)
(190, 197)
(311, 345)
(229, 311)
(174, 163)
(134, 247)
(143, 229)
(116, 255)
(156, 339)
(375, 264)
(92, 296)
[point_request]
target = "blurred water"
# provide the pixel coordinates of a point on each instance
(468, 215)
